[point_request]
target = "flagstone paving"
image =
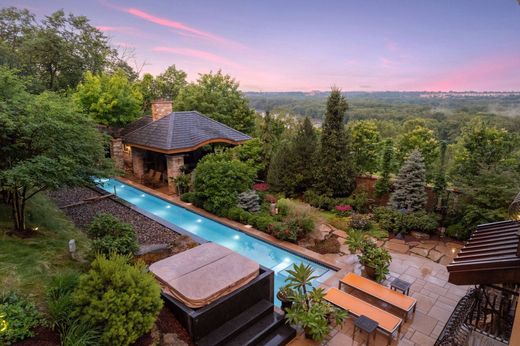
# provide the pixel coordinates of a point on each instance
(436, 299)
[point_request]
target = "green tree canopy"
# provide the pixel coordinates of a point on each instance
(55, 51)
(422, 139)
(365, 143)
(386, 164)
(217, 96)
(409, 193)
(45, 143)
(335, 173)
(167, 86)
(109, 99)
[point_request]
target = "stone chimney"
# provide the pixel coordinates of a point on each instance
(161, 108)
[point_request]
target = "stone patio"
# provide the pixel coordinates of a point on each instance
(436, 299)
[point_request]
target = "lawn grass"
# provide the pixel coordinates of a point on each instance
(27, 265)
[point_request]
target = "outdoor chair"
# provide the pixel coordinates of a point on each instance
(401, 302)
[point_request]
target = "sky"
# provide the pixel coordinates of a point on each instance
(299, 45)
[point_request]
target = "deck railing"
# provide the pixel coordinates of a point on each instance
(488, 310)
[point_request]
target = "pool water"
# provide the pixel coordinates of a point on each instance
(267, 255)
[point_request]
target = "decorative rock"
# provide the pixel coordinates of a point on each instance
(414, 243)
(340, 233)
(344, 248)
(379, 243)
(172, 339)
(152, 248)
(419, 251)
(420, 235)
(396, 247)
(435, 255)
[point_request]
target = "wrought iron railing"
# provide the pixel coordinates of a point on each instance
(488, 310)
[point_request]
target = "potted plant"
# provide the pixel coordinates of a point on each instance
(286, 296)
(309, 309)
(375, 260)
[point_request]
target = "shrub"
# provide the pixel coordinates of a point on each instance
(262, 222)
(420, 221)
(249, 200)
(375, 257)
(219, 180)
(19, 316)
(458, 231)
(388, 219)
(282, 231)
(270, 198)
(183, 183)
(359, 201)
(320, 201)
(360, 222)
(355, 240)
(193, 198)
(283, 206)
(340, 223)
(111, 235)
(234, 213)
(261, 187)
(121, 299)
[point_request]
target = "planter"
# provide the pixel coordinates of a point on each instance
(286, 303)
(371, 272)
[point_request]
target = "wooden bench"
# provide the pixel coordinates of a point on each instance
(398, 300)
(387, 323)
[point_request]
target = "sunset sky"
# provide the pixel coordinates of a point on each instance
(280, 45)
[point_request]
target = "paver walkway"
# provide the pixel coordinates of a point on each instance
(436, 299)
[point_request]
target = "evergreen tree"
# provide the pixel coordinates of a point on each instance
(335, 174)
(383, 183)
(410, 186)
(303, 157)
(278, 175)
(267, 138)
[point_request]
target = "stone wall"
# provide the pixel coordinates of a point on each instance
(117, 153)
(138, 162)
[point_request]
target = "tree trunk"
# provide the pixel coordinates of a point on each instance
(18, 210)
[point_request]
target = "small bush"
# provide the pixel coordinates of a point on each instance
(420, 221)
(360, 222)
(234, 213)
(458, 231)
(249, 200)
(325, 246)
(121, 299)
(341, 223)
(359, 201)
(58, 296)
(283, 206)
(19, 317)
(388, 219)
(111, 235)
(282, 231)
(262, 222)
(321, 201)
(343, 210)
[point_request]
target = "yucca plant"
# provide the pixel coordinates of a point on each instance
(300, 279)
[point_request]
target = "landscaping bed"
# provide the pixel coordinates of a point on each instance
(147, 230)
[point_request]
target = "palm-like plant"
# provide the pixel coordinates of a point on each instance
(300, 278)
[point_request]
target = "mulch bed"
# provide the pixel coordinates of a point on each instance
(43, 337)
(147, 230)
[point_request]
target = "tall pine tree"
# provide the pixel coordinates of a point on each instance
(409, 193)
(292, 166)
(383, 183)
(335, 173)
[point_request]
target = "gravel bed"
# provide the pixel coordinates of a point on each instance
(147, 230)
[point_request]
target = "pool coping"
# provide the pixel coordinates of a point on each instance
(262, 236)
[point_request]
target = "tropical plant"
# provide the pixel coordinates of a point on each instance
(355, 240)
(375, 257)
(121, 299)
(182, 182)
(309, 309)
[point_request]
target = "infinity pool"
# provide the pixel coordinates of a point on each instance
(270, 256)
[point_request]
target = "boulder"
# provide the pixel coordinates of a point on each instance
(420, 235)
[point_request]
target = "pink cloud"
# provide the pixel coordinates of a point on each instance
(119, 29)
(198, 54)
(181, 27)
(392, 46)
(498, 72)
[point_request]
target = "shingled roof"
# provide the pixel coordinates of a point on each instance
(182, 132)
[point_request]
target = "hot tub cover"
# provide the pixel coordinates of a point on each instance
(199, 276)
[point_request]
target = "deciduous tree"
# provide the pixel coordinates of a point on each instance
(365, 143)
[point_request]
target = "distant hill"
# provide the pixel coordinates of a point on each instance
(391, 104)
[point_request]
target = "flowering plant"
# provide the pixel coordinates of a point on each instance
(270, 198)
(343, 209)
(261, 186)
